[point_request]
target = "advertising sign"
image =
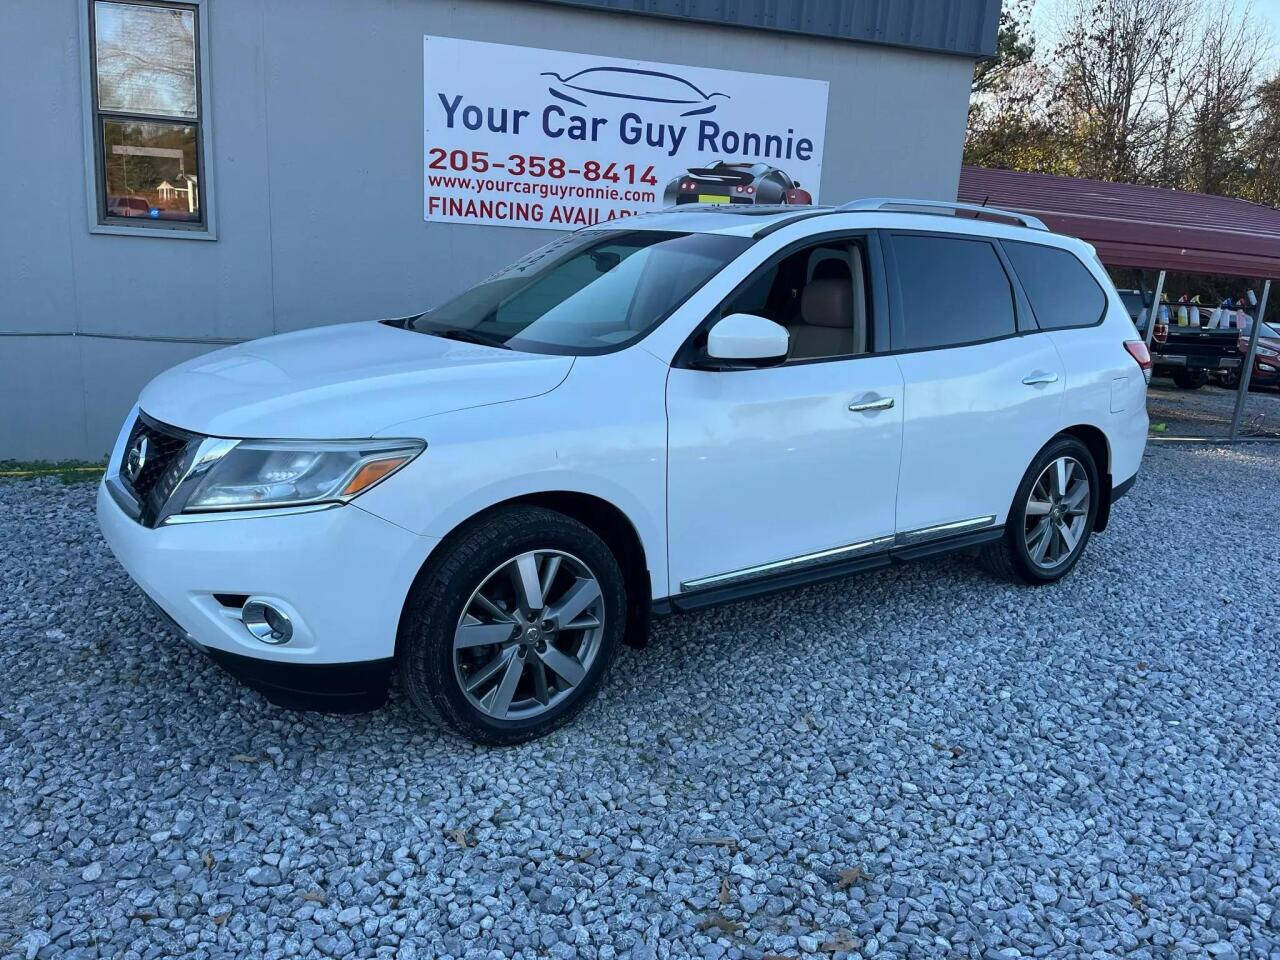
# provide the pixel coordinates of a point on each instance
(517, 136)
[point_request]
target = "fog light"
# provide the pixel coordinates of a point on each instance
(269, 624)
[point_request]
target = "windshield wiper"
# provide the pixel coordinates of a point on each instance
(464, 335)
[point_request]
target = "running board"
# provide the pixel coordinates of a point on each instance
(829, 564)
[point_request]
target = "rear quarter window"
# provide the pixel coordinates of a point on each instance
(1062, 291)
(953, 291)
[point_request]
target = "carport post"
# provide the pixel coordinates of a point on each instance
(1247, 372)
(1154, 313)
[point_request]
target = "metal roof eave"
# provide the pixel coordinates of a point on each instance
(964, 28)
(1136, 226)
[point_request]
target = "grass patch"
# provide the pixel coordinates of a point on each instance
(68, 471)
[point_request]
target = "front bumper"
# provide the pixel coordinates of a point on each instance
(327, 687)
(1266, 372)
(341, 574)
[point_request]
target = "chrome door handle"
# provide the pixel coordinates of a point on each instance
(1035, 379)
(880, 403)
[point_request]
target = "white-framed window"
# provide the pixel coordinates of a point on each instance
(146, 118)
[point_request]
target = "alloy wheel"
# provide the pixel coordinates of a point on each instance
(1057, 512)
(528, 635)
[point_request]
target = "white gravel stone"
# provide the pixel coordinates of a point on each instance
(1096, 769)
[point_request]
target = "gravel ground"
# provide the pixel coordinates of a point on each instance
(920, 762)
(1207, 412)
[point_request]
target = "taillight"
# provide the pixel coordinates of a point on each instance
(1138, 350)
(1161, 333)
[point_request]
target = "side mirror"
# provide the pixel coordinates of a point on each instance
(745, 340)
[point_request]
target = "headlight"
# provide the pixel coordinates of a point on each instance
(1268, 352)
(282, 473)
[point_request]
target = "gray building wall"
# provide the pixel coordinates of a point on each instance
(316, 163)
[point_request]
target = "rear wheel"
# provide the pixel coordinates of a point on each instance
(509, 634)
(1051, 518)
(1190, 379)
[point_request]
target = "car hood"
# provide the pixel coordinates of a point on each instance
(349, 380)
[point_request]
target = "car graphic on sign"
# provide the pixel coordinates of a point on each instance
(724, 182)
(633, 83)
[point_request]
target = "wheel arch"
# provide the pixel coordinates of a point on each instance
(1099, 447)
(605, 519)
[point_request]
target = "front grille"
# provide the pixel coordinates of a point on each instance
(165, 453)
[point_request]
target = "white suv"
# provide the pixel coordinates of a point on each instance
(643, 417)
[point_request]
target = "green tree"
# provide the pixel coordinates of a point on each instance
(1260, 174)
(1007, 127)
(1015, 47)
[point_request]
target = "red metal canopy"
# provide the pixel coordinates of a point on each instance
(1133, 226)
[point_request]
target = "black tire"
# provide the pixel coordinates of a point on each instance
(1009, 558)
(431, 615)
(1190, 379)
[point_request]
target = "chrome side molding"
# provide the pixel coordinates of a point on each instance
(835, 554)
(792, 563)
(943, 530)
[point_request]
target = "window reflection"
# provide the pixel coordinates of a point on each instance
(146, 59)
(151, 170)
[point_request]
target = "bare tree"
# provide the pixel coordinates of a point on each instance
(1176, 95)
(1116, 57)
(1164, 92)
(1225, 73)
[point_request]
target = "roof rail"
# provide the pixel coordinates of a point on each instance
(929, 206)
(742, 210)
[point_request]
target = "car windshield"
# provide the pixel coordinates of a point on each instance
(587, 293)
(1267, 330)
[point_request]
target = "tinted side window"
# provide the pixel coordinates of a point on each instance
(1062, 292)
(954, 291)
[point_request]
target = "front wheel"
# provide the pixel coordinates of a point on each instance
(1051, 518)
(510, 632)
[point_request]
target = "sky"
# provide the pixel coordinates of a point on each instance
(1270, 9)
